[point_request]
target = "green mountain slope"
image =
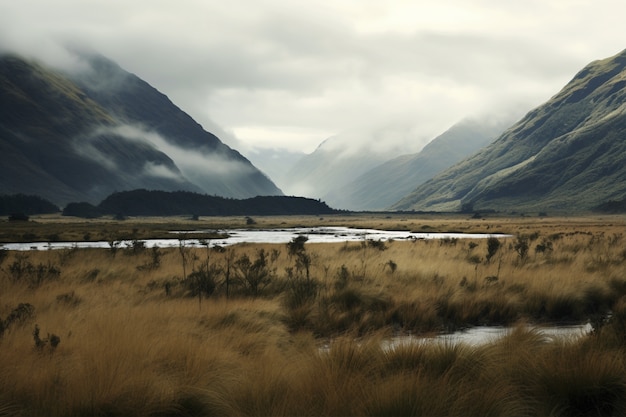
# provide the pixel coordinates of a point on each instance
(62, 140)
(568, 154)
(385, 184)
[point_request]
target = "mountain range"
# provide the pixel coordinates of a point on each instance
(566, 155)
(341, 159)
(383, 185)
(82, 134)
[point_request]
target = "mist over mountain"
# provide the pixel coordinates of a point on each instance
(565, 155)
(385, 184)
(275, 163)
(81, 133)
(341, 159)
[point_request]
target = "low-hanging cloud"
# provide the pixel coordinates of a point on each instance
(329, 66)
(159, 170)
(193, 163)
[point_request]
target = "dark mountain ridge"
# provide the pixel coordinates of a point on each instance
(566, 155)
(82, 135)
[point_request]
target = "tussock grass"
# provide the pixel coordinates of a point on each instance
(139, 337)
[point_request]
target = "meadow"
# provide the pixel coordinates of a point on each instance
(297, 329)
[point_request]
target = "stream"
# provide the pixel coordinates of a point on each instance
(278, 236)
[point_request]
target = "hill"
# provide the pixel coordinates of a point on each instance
(566, 155)
(81, 135)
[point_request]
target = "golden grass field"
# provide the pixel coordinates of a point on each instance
(142, 332)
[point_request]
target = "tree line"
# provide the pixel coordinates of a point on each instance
(163, 203)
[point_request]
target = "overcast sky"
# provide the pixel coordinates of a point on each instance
(290, 73)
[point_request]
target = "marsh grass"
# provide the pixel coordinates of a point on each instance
(134, 340)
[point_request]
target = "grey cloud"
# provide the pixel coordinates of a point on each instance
(319, 65)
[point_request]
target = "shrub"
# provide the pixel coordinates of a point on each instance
(155, 260)
(203, 281)
(22, 270)
(52, 340)
(376, 244)
(521, 247)
(493, 244)
(342, 278)
(18, 315)
(68, 299)
(392, 266)
(544, 246)
(300, 290)
(254, 275)
(296, 245)
(136, 247)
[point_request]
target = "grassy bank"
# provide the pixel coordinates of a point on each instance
(243, 330)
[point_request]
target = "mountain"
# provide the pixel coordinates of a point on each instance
(80, 135)
(385, 184)
(565, 155)
(276, 163)
(341, 159)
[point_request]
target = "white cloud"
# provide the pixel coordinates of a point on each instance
(192, 162)
(157, 170)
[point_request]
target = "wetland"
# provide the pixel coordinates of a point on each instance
(240, 329)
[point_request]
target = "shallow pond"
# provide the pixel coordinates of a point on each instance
(314, 234)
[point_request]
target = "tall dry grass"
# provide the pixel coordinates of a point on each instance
(137, 337)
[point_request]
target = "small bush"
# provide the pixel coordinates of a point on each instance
(203, 281)
(18, 315)
(300, 290)
(493, 245)
(296, 245)
(155, 260)
(342, 278)
(521, 247)
(22, 270)
(255, 274)
(376, 244)
(136, 247)
(52, 341)
(68, 299)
